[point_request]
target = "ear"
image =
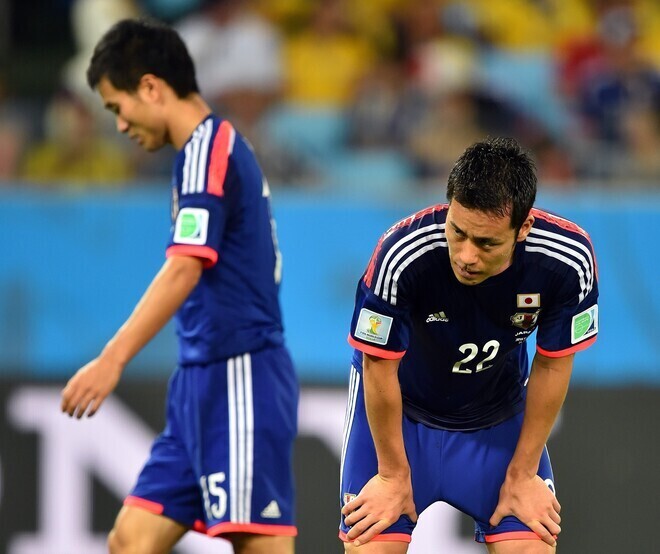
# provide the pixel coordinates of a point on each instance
(525, 228)
(150, 88)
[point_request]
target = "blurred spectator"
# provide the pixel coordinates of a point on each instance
(451, 125)
(89, 20)
(647, 17)
(615, 90)
(443, 69)
(238, 58)
(641, 130)
(528, 25)
(384, 107)
(435, 105)
(327, 58)
(398, 103)
(239, 61)
(170, 10)
(14, 134)
(72, 151)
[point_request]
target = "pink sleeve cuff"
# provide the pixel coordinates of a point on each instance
(374, 351)
(568, 351)
(206, 253)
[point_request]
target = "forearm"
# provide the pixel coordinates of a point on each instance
(385, 412)
(546, 391)
(169, 289)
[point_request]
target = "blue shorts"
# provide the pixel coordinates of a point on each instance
(223, 464)
(463, 469)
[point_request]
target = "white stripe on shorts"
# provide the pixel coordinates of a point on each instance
(353, 389)
(241, 437)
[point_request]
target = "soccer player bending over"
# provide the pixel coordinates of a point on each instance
(442, 404)
(222, 465)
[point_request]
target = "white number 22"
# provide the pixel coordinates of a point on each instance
(491, 348)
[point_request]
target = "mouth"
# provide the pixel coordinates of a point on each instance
(465, 273)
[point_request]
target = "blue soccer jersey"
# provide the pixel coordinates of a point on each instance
(223, 464)
(221, 214)
(463, 360)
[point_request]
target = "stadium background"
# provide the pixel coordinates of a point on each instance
(82, 240)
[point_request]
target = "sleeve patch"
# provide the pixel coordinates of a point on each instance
(584, 324)
(191, 226)
(373, 327)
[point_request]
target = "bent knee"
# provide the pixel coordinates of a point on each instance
(261, 544)
(121, 541)
(116, 542)
(140, 532)
(521, 547)
(384, 547)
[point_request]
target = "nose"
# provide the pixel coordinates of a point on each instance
(468, 254)
(122, 125)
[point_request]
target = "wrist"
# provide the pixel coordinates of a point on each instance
(112, 355)
(399, 471)
(520, 471)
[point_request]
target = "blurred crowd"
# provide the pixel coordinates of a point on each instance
(373, 94)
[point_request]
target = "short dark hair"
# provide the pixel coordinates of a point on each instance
(495, 176)
(134, 47)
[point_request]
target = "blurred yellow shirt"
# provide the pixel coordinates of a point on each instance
(100, 162)
(523, 25)
(324, 70)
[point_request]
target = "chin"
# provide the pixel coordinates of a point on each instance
(463, 281)
(152, 147)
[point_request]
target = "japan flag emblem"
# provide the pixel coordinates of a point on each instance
(529, 300)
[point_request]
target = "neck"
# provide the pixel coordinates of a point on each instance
(187, 114)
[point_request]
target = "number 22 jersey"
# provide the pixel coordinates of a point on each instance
(463, 361)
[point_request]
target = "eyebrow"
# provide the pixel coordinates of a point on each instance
(476, 239)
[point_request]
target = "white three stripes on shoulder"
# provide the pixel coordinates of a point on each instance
(196, 156)
(241, 437)
(560, 247)
(417, 243)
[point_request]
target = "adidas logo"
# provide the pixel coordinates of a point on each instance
(271, 511)
(438, 316)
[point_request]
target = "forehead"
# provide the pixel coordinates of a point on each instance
(478, 223)
(110, 94)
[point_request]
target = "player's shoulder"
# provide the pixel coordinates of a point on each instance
(408, 240)
(553, 228)
(212, 135)
(206, 159)
(563, 248)
(419, 223)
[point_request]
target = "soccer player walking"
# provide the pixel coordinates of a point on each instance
(222, 465)
(442, 404)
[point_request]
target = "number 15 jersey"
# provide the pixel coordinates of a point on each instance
(463, 359)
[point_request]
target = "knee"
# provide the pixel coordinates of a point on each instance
(115, 543)
(120, 542)
(261, 544)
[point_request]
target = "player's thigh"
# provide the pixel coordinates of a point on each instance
(377, 547)
(244, 543)
(473, 470)
(521, 547)
(137, 530)
(359, 464)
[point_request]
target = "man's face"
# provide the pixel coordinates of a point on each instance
(137, 114)
(480, 244)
